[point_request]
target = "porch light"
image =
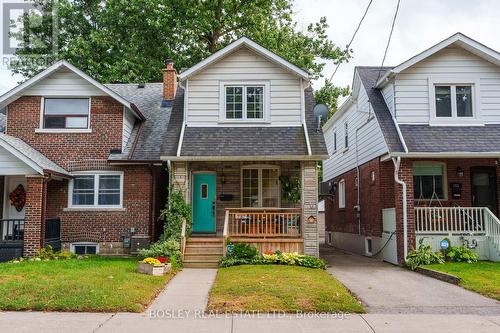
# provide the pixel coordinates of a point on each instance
(460, 172)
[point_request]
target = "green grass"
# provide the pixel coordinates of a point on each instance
(482, 277)
(95, 284)
(269, 288)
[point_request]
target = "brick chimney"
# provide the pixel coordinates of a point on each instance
(169, 81)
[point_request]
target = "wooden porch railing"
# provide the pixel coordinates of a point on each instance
(183, 239)
(263, 222)
(438, 220)
(11, 230)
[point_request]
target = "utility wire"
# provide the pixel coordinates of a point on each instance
(388, 41)
(354, 35)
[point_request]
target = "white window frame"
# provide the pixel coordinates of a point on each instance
(73, 245)
(346, 135)
(454, 120)
(335, 140)
(244, 84)
(42, 129)
(96, 190)
(260, 168)
(341, 191)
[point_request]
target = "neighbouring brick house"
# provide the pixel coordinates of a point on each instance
(414, 154)
(229, 133)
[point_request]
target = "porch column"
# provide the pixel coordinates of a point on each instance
(310, 208)
(34, 214)
(406, 175)
(180, 179)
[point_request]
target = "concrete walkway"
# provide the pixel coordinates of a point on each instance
(187, 291)
(385, 288)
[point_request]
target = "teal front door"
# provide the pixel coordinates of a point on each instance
(204, 202)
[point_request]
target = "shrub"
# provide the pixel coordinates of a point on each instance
(169, 248)
(243, 251)
(175, 212)
(461, 254)
(270, 258)
(423, 256)
(230, 261)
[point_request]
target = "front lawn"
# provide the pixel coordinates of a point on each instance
(482, 277)
(268, 288)
(93, 284)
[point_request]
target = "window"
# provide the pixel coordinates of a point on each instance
(368, 246)
(243, 101)
(204, 191)
(428, 181)
(97, 190)
(66, 113)
(84, 248)
(260, 186)
(334, 141)
(341, 193)
(346, 135)
(453, 101)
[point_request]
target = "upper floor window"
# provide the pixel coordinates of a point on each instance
(346, 135)
(454, 101)
(334, 141)
(66, 113)
(97, 190)
(240, 102)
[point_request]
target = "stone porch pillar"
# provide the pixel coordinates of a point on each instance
(36, 192)
(310, 233)
(406, 175)
(180, 179)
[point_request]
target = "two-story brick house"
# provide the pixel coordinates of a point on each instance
(233, 133)
(414, 153)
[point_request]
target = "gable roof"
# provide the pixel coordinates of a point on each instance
(244, 41)
(16, 92)
(460, 39)
(32, 157)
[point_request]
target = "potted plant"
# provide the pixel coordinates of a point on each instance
(166, 262)
(151, 266)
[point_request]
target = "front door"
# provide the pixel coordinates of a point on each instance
(204, 202)
(484, 188)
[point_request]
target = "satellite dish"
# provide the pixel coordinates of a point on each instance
(320, 111)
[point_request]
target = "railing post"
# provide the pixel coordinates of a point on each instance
(183, 238)
(225, 233)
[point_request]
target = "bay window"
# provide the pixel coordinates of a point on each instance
(66, 113)
(260, 186)
(101, 190)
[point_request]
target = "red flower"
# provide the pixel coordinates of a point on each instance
(269, 252)
(162, 259)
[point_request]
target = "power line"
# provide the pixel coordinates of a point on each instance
(354, 35)
(388, 40)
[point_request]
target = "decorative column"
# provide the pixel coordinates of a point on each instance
(34, 215)
(406, 175)
(310, 233)
(180, 179)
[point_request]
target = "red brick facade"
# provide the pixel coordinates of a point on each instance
(384, 192)
(85, 151)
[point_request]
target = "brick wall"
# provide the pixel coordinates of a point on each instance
(34, 211)
(104, 225)
(106, 122)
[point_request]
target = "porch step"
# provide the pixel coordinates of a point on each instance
(203, 252)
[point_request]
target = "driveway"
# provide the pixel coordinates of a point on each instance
(388, 289)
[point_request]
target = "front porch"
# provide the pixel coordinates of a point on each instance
(244, 201)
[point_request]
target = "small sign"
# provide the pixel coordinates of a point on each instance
(229, 248)
(445, 244)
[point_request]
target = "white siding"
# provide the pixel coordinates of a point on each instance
(128, 124)
(371, 143)
(244, 65)
(388, 93)
(11, 165)
(412, 88)
(63, 83)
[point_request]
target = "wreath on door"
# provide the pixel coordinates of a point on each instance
(18, 197)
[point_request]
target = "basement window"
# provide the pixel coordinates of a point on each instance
(84, 248)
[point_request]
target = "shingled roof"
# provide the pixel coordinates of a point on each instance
(242, 141)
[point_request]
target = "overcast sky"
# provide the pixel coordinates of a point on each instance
(420, 24)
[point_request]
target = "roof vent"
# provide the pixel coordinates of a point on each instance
(141, 85)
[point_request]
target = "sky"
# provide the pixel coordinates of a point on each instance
(420, 24)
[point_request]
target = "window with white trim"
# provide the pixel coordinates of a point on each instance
(260, 186)
(341, 193)
(428, 181)
(346, 135)
(66, 113)
(334, 141)
(244, 102)
(84, 248)
(97, 190)
(454, 101)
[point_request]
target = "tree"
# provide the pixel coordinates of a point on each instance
(128, 41)
(329, 95)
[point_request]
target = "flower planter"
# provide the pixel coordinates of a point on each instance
(156, 270)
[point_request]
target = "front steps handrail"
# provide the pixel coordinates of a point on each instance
(492, 227)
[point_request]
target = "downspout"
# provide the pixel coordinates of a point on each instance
(397, 163)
